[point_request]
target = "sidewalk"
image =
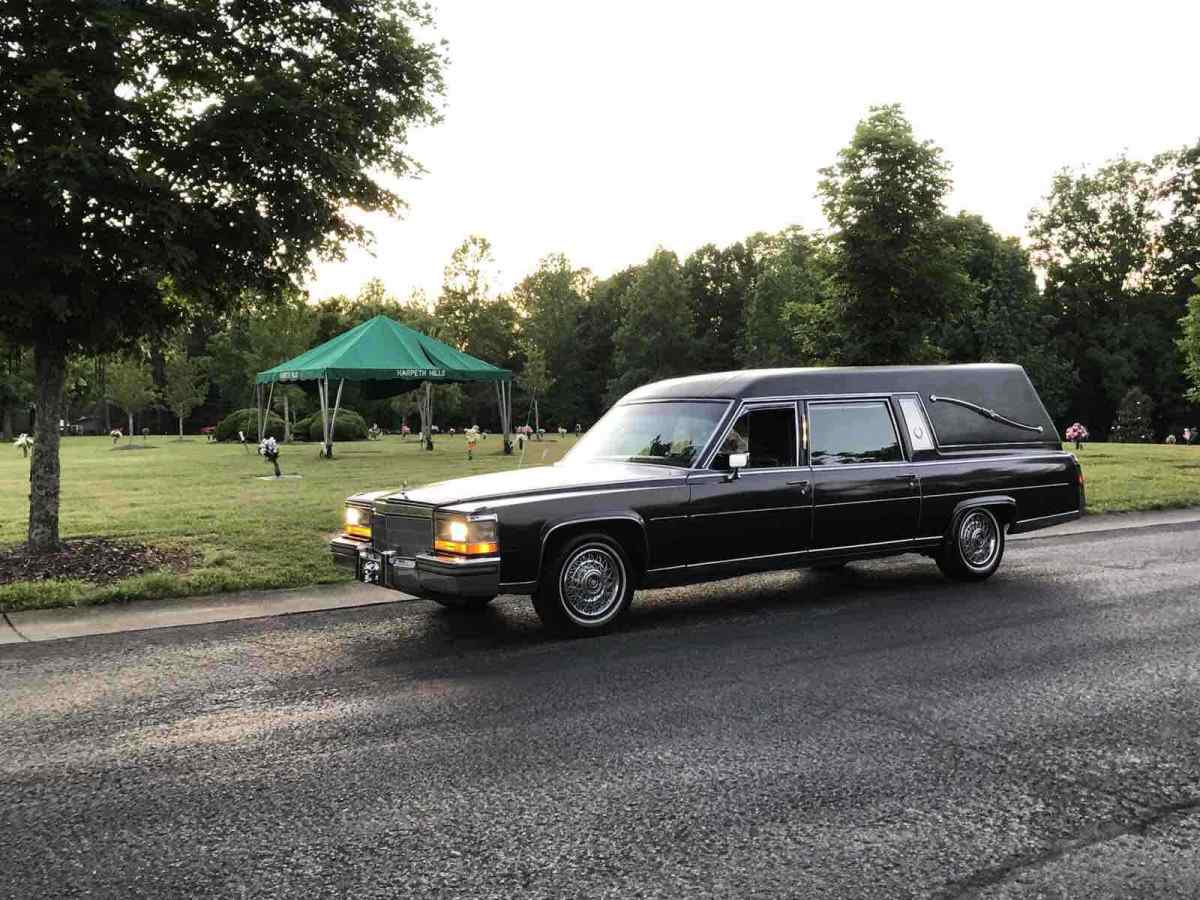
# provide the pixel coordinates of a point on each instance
(71, 622)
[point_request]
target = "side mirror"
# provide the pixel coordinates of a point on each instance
(737, 462)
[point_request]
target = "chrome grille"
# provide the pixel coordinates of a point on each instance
(406, 535)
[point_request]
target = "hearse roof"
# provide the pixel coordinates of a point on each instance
(975, 405)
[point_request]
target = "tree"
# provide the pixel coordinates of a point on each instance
(551, 301)
(718, 283)
(186, 386)
(131, 387)
(535, 378)
(1134, 418)
(788, 319)
(1004, 317)
(16, 385)
(895, 267)
(1097, 238)
(596, 341)
(653, 338)
(215, 146)
(1189, 343)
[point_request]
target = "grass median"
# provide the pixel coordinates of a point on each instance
(242, 532)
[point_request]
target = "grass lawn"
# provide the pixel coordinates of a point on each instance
(244, 532)
(1130, 477)
(247, 533)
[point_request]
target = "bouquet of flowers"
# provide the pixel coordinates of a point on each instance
(24, 443)
(1078, 434)
(269, 449)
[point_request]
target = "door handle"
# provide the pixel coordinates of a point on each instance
(803, 485)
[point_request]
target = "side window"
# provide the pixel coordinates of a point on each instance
(852, 432)
(768, 435)
(918, 429)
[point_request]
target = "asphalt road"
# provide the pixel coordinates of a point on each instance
(878, 732)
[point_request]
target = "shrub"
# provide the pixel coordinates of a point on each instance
(300, 429)
(247, 420)
(350, 426)
(1133, 424)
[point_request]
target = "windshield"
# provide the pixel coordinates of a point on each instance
(665, 434)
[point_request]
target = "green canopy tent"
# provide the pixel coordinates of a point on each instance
(393, 358)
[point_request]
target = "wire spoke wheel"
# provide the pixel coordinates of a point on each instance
(592, 582)
(978, 539)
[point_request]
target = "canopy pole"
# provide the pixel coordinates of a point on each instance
(508, 447)
(427, 418)
(264, 417)
(333, 419)
(258, 409)
(323, 396)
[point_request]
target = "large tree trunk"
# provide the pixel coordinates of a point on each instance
(50, 367)
(6, 429)
(131, 428)
(181, 428)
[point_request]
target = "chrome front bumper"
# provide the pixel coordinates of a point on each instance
(422, 575)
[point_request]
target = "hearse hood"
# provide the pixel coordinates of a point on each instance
(538, 480)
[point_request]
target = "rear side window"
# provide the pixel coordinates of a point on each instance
(858, 432)
(768, 435)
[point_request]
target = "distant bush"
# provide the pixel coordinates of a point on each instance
(300, 429)
(247, 420)
(350, 426)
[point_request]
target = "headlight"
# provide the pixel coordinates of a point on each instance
(357, 522)
(465, 536)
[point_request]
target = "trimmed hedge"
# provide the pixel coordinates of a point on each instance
(300, 429)
(350, 426)
(247, 420)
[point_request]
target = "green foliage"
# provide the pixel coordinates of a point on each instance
(895, 267)
(1189, 343)
(1134, 418)
(186, 386)
(215, 144)
(1004, 317)
(719, 282)
(653, 337)
(246, 421)
(788, 297)
(349, 426)
(553, 301)
(1098, 238)
(131, 387)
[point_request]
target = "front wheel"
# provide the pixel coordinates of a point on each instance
(587, 587)
(974, 547)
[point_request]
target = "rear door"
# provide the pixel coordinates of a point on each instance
(767, 510)
(865, 490)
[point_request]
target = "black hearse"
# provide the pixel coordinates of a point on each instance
(705, 477)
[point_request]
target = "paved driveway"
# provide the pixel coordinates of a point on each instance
(875, 732)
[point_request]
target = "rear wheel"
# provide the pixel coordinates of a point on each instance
(587, 586)
(974, 547)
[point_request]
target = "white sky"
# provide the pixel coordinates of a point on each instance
(604, 129)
